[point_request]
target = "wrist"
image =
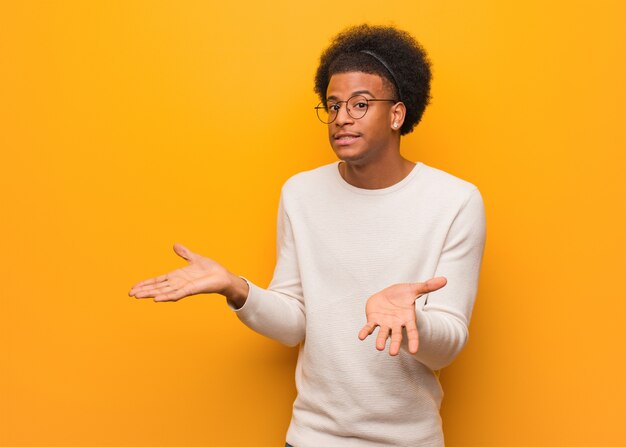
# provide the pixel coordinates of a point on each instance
(237, 290)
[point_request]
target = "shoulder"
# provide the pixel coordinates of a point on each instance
(446, 182)
(446, 188)
(308, 182)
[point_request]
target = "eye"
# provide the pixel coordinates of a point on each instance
(333, 107)
(360, 105)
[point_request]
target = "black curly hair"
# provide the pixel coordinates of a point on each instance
(388, 52)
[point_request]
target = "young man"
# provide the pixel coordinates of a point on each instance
(363, 234)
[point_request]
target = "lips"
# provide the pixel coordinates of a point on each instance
(345, 138)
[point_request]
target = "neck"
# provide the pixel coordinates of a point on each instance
(376, 175)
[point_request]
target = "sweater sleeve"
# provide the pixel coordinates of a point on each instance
(278, 311)
(443, 318)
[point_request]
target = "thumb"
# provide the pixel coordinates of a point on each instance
(431, 285)
(436, 283)
(184, 252)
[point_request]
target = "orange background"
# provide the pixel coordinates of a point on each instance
(126, 126)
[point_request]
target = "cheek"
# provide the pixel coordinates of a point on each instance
(378, 125)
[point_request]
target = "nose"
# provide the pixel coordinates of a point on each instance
(343, 117)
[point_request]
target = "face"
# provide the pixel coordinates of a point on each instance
(366, 139)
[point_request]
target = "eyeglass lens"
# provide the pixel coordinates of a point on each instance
(357, 107)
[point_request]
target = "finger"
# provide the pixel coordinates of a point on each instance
(148, 288)
(174, 295)
(431, 285)
(413, 336)
(150, 291)
(183, 252)
(396, 340)
(148, 282)
(381, 339)
(367, 330)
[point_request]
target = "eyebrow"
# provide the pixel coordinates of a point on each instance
(358, 92)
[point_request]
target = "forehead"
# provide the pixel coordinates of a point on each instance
(343, 85)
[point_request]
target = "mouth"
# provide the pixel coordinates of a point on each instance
(345, 139)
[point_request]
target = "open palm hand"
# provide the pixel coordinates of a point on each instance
(392, 309)
(202, 275)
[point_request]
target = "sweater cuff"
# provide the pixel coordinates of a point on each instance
(251, 303)
(423, 325)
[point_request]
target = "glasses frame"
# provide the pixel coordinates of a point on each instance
(325, 107)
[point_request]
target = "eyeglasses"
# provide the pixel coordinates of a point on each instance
(356, 107)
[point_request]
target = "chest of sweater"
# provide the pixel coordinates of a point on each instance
(369, 242)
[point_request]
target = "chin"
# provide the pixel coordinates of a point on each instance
(348, 155)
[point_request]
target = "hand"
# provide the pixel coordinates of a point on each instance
(202, 275)
(394, 308)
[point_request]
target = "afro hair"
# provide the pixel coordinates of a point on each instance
(388, 52)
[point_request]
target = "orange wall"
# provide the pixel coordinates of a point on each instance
(128, 126)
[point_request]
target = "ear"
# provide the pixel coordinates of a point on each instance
(397, 115)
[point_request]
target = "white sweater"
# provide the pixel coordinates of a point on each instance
(337, 246)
